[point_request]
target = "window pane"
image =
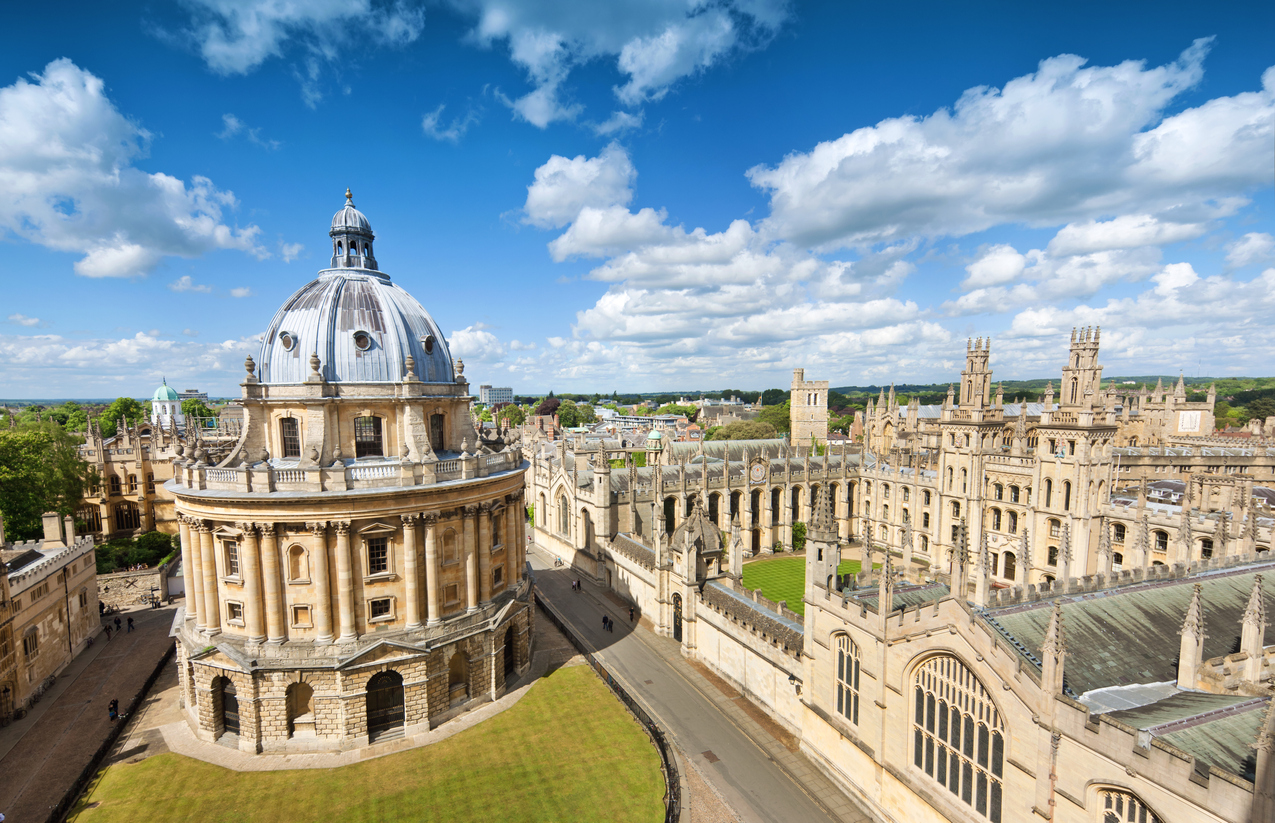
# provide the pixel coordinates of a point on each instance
(918, 745)
(994, 807)
(855, 719)
(967, 780)
(969, 736)
(378, 555)
(942, 720)
(929, 713)
(980, 801)
(940, 773)
(841, 691)
(367, 437)
(982, 745)
(929, 756)
(920, 706)
(998, 753)
(956, 728)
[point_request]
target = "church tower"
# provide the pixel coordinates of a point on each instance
(1082, 376)
(976, 379)
(808, 410)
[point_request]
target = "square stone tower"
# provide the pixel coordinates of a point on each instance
(808, 409)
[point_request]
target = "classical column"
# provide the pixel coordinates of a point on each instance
(250, 567)
(485, 543)
(512, 545)
(190, 564)
(210, 609)
(471, 559)
(344, 580)
(271, 573)
(411, 572)
(322, 580)
(431, 568)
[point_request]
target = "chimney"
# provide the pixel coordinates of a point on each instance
(52, 527)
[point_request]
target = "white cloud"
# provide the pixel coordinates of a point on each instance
(477, 344)
(654, 43)
(190, 332)
(996, 266)
(1067, 143)
(237, 36)
(432, 125)
(241, 291)
(1128, 231)
(67, 167)
(617, 123)
(187, 283)
(517, 345)
(562, 186)
(1175, 276)
(1254, 247)
(23, 320)
(233, 126)
(290, 251)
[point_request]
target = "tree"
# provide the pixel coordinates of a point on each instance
(569, 414)
(40, 471)
(777, 416)
(126, 408)
(773, 397)
(1261, 408)
(548, 406)
(798, 536)
(743, 430)
(512, 415)
(672, 408)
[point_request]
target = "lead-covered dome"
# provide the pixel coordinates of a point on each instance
(361, 326)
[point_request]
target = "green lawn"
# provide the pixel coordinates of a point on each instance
(567, 751)
(784, 578)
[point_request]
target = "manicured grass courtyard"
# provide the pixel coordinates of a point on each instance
(784, 578)
(567, 751)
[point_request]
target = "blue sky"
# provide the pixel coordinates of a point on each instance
(642, 196)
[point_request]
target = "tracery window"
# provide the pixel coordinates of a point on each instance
(848, 679)
(1122, 807)
(957, 734)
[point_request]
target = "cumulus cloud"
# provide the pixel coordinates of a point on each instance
(1066, 144)
(290, 251)
(23, 320)
(67, 166)
(237, 36)
(617, 123)
(653, 43)
(562, 186)
(1254, 247)
(476, 344)
(187, 283)
(241, 291)
(453, 131)
(232, 126)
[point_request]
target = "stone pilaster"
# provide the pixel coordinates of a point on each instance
(411, 571)
(250, 568)
(271, 573)
(432, 570)
(211, 607)
(484, 553)
(344, 580)
(322, 580)
(471, 560)
(190, 570)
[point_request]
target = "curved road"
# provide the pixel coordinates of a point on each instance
(759, 778)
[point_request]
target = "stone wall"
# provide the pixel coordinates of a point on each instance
(129, 589)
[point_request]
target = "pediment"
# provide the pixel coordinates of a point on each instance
(382, 651)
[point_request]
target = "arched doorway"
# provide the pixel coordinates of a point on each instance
(677, 617)
(509, 652)
(224, 693)
(385, 713)
(300, 700)
(458, 678)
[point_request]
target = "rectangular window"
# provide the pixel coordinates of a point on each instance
(84, 599)
(498, 577)
(290, 435)
(31, 643)
(379, 608)
(301, 617)
(378, 555)
(232, 558)
(234, 612)
(367, 437)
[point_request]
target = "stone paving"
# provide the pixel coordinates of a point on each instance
(44, 754)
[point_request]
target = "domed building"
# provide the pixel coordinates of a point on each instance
(166, 407)
(355, 565)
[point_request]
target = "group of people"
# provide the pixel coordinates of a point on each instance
(137, 567)
(118, 626)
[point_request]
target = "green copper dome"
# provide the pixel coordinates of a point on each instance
(164, 392)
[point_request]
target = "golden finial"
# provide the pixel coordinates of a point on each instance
(348, 196)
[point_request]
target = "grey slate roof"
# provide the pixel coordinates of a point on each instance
(1132, 634)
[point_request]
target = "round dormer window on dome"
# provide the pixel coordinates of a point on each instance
(428, 342)
(362, 340)
(288, 340)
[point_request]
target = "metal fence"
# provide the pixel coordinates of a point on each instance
(672, 780)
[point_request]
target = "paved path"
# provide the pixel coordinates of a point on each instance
(42, 758)
(747, 764)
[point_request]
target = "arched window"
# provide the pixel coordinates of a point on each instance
(998, 491)
(925, 542)
(1075, 385)
(564, 516)
(925, 520)
(907, 494)
(956, 510)
(996, 520)
(1117, 561)
(1009, 565)
(1053, 556)
(848, 679)
(949, 478)
(925, 497)
(1013, 522)
(885, 512)
(1206, 549)
(367, 437)
(907, 517)
(1066, 495)
(1049, 492)
(885, 490)
(1013, 494)
(1161, 541)
(1055, 528)
(965, 480)
(1118, 806)
(883, 532)
(957, 735)
(298, 565)
(1117, 533)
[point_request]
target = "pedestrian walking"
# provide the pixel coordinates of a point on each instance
(113, 710)
(610, 625)
(630, 614)
(108, 631)
(604, 622)
(130, 624)
(118, 623)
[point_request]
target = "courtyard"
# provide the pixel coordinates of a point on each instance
(568, 750)
(784, 578)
